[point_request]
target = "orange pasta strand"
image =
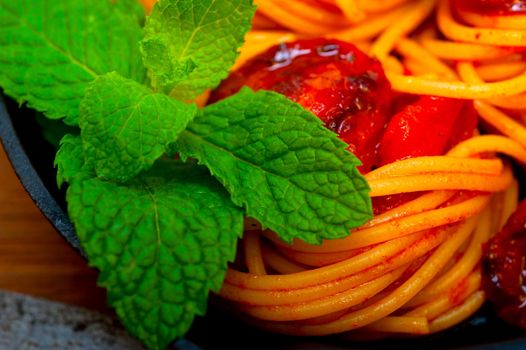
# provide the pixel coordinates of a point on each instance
(499, 37)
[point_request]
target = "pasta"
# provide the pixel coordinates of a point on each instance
(415, 268)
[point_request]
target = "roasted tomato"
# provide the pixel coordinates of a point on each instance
(337, 82)
(504, 267)
(428, 127)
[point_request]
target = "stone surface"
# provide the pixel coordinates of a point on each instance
(28, 323)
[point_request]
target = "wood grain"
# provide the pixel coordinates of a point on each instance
(34, 258)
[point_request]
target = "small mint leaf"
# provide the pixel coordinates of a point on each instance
(278, 161)
(51, 50)
(165, 71)
(189, 46)
(125, 127)
(69, 160)
(161, 241)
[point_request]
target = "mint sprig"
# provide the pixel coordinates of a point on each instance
(126, 127)
(161, 232)
(281, 164)
(189, 46)
(162, 242)
(51, 50)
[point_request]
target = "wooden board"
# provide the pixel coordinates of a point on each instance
(34, 258)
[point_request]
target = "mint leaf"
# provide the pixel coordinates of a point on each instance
(279, 162)
(70, 161)
(133, 7)
(51, 50)
(125, 127)
(161, 242)
(189, 46)
(165, 71)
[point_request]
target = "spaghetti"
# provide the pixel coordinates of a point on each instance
(413, 269)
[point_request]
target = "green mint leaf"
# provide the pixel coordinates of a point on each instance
(278, 161)
(189, 46)
(125, 127)
(161, 241)
(165, 71)
(133, 7)
(51, 50)
(70, 160)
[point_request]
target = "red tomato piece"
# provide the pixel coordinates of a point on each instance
(464, 126)
(427, 127)
(504, 269)
(333, 79)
